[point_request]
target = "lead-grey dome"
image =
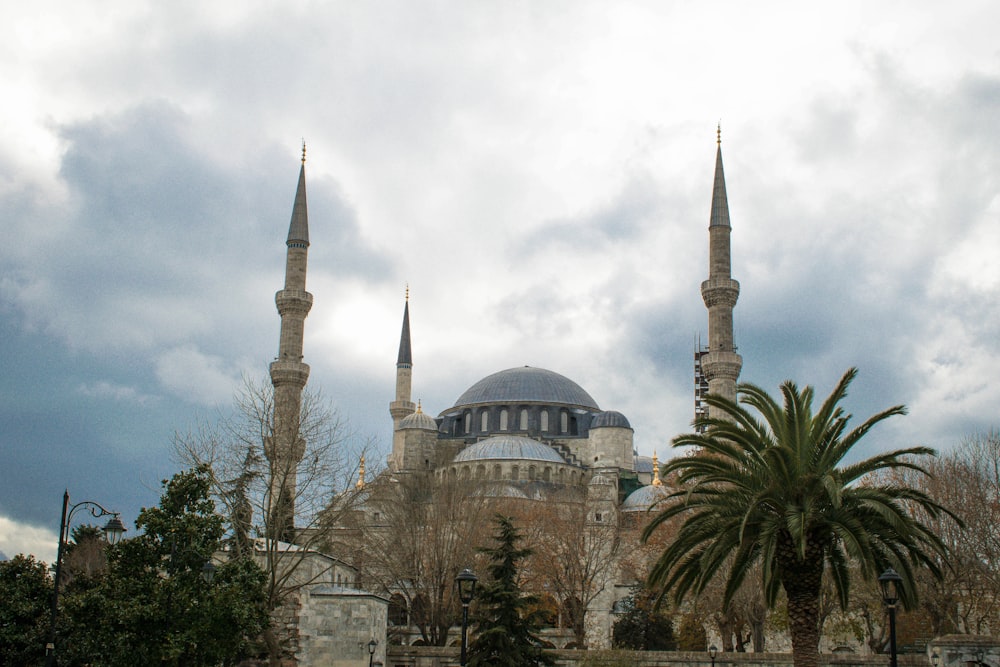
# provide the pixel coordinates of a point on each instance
(527, 385)
(610, 419)
(509, 447)
(419, 419)
(644, 497)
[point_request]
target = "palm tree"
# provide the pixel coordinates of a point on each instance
(774, 489)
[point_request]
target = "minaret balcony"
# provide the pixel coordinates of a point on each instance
(293, 302)
(289, 372)
(720, 292)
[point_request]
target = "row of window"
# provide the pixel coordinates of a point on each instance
(516, 473)
(503, 419)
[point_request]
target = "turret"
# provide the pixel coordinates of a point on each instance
(289, 374)
(720, 363)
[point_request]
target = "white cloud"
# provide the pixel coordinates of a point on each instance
(20, 538)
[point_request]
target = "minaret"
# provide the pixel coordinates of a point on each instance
(720, 363)
(403, 407)
(288, 373)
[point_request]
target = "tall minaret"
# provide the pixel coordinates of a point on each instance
(720, 363)
(289, 374)
(403, 407)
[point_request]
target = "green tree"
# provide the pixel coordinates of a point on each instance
(152, 606)
(643, 627)
(25, 587)
(775, 490)
(506, 632)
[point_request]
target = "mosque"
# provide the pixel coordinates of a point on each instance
(525, 433)
(523, 430)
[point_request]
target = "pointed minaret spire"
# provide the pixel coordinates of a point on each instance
(403, 405)
(720, 363)
(285, 446)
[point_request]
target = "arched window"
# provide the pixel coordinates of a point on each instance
(544, 418)
(547, 474)
(397, 610)
(531, 472)
(515, 473)
(468, 422)
(524, 419)
(563, 421)
(484, 422)
(503, 419)
(480, 471)
(497, 472)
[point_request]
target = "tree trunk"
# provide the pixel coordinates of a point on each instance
(802, 579)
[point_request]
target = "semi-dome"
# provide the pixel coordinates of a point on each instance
(609, 419)
(527, 385)
(644, 497)
(508, 447)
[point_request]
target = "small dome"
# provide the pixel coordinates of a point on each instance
(610, 419)
(601, 480)
(643, 498)
(509, 447)
(527, 385)
(419, 419)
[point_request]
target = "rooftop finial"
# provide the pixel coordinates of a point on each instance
(407, 291)
(656, 470)
(718, 134)
(303, 150)
(419, 408)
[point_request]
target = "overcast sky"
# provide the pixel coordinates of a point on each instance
(539, 173)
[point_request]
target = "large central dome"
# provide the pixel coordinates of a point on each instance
(527, 385)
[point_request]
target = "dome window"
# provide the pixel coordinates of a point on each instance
(544, 418)
(503, 420)
(524, 419)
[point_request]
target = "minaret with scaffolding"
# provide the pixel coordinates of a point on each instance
(718, 363)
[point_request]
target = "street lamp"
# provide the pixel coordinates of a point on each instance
(890, 582)
(114, 530)
(712, 651)
(466, 582)
(371, 651)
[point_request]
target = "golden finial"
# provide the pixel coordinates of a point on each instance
(303, 150)
(407, 291)
(419, 408)
(656, 470)
(361, 473)
(718, 134)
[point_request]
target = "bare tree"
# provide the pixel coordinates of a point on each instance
(573, 555)
(411, 538)
(233, 447)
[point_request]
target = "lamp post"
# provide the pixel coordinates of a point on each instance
(712, 651)
(890, 582)
(466, 582)
(114, 530)
(372, 645)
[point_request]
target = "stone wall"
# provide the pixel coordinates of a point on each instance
(336, 624)
(427, 656)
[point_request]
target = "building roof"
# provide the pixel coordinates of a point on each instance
(643, 498)
(527, 385)
(610, 419)
(298, 228)
(509, 447)
(419, 419)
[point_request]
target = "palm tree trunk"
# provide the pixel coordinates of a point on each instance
(801, 579)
